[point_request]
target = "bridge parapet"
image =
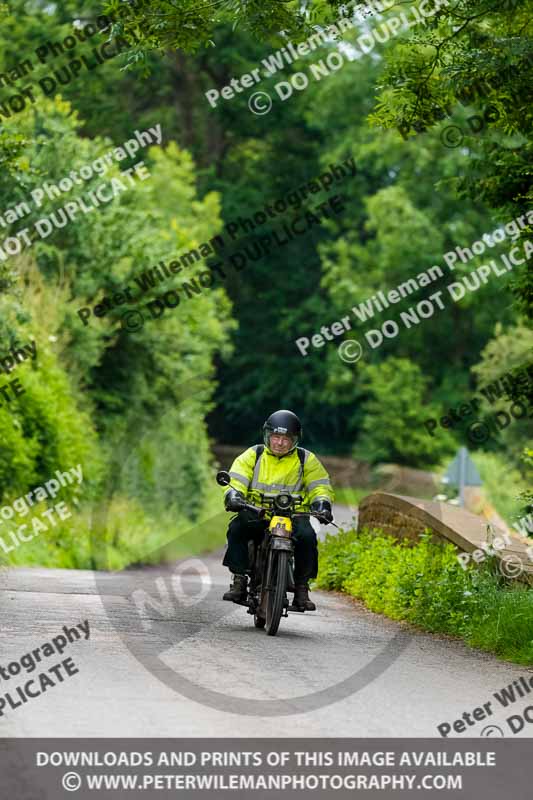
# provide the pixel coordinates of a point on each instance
(406, 517)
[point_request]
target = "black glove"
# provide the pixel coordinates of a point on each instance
(233, 500)
(322, 507)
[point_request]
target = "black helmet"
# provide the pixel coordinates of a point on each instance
(283, 422)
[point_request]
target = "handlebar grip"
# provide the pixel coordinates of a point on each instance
(320, 518)
(255, 509)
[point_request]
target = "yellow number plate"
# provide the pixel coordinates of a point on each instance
(283, 522)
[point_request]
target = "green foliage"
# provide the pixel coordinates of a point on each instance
(508, 352)
(133, 407)
(527, 495)
(349, 496)
(192, 25)
(48, 427)
(130, 408)
(425, 585)
(395, 228)
(503, 484)
(129, 535)
(480, 55)
(395, 404)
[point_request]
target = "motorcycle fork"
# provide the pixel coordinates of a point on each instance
(291, 570)
(261, 574)
(255, 579)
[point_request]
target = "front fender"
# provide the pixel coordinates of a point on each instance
(282, 543)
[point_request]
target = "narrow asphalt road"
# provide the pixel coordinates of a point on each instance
(167, 657)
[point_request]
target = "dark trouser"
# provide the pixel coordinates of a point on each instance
(243, 527)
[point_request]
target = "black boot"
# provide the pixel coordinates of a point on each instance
(237, 590)
(301, 601)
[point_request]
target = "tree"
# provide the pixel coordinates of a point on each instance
(191, 25)
(394, 411)
(94, 384)
(479, 54)
(509, 352)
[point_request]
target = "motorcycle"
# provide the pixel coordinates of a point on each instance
(271, 559)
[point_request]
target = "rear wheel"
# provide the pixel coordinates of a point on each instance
(277, 581)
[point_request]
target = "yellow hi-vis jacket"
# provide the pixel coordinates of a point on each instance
(269, 475)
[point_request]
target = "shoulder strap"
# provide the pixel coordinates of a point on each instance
(258, 452)
(302, 454)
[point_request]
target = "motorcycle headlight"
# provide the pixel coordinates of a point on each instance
(283, 501)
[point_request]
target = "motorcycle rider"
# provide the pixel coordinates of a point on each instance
(278, 465)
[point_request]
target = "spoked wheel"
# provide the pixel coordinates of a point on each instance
(277, 581)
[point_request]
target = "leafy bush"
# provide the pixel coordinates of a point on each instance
(503, 484)
(396, 402)
(130, 408)
(424, 584)
(115, 536)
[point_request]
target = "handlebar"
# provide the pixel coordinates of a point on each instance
(223, 478)
(319, 517)
(261, 512)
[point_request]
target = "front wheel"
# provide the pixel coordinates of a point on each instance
(277, 583)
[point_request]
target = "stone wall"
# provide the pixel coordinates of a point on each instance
(406, 517)
(383, 512)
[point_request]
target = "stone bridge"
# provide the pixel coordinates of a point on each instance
(406, 517)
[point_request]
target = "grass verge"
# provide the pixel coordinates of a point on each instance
(124, 534)
(425, 585)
